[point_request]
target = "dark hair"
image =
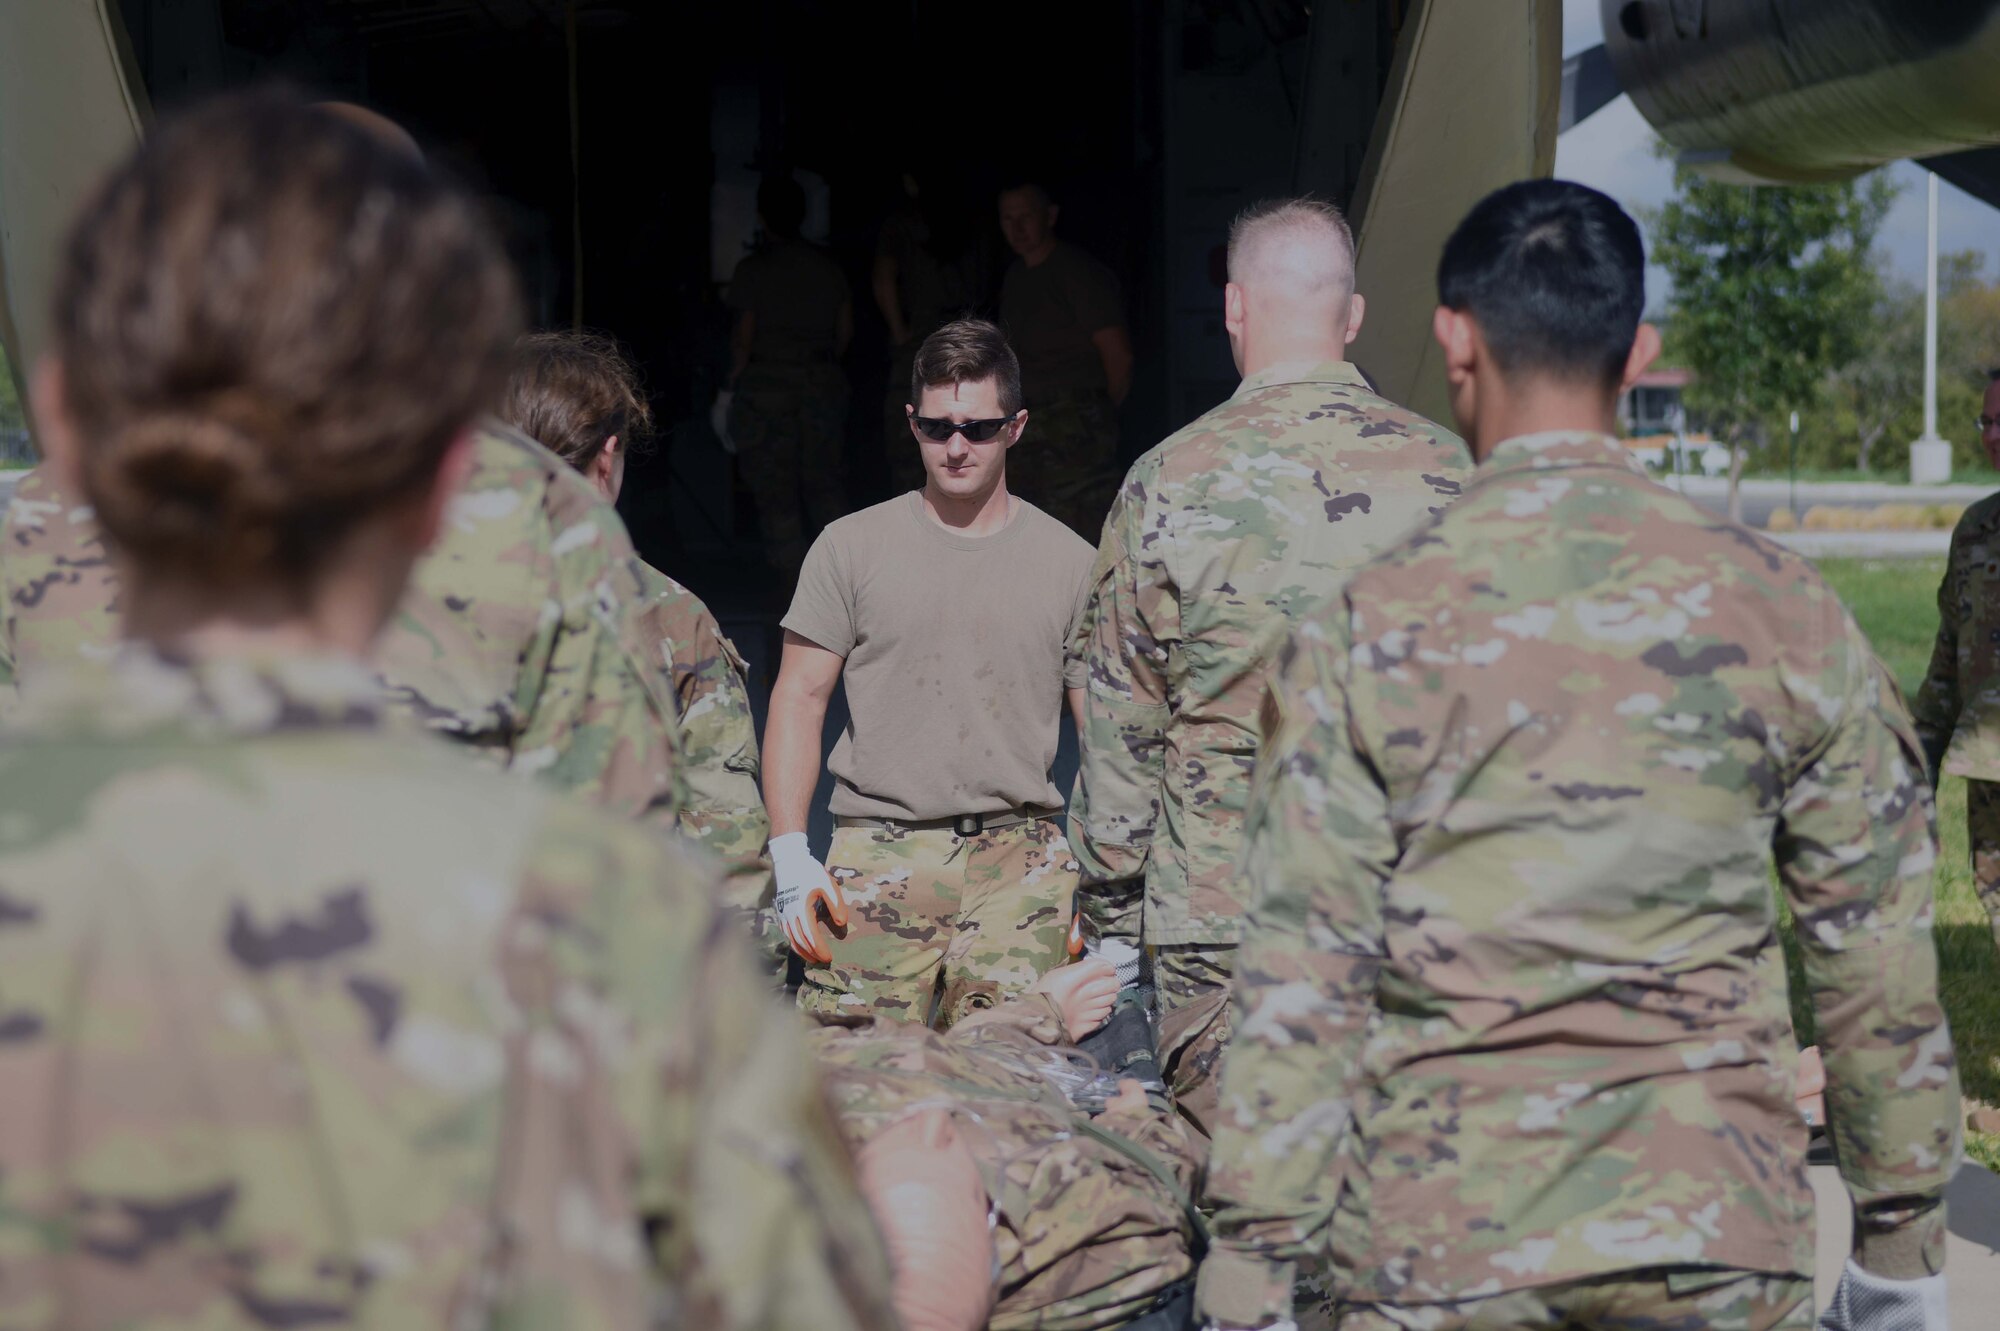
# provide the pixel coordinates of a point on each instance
(271, 324)
(571, 392)
(967, 351)
(781, 202)
(1555, 273)
(1029, 185)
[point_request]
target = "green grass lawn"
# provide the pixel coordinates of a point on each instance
(1896, 603)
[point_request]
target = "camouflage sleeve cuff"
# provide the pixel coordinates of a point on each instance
(1113, 909)
(1901, 1243)
(1240, 1289)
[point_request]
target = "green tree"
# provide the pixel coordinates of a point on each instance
(1772, 290)
(1876, 400)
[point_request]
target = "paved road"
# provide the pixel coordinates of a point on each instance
(1761, 498)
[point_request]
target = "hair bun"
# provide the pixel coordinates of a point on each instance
(183, 489)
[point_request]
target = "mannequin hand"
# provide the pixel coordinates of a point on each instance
(1083, 992)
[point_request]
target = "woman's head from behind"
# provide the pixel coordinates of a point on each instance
(577, 395)
(272, 333)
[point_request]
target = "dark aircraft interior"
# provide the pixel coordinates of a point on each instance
(621, 142)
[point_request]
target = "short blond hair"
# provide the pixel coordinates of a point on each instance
(1263, 222)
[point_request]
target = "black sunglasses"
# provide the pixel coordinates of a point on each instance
(977, 432)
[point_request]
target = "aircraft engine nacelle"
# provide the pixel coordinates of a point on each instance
(1797, 91)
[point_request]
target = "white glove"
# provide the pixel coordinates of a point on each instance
(1865, 1302)
(1123, 956)
(718, 420)
(803, 885)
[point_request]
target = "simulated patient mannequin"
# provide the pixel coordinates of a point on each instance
(1016, 1184)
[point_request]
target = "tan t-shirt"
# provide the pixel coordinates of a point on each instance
(955, 657)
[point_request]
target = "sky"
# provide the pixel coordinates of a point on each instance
(1612, 151)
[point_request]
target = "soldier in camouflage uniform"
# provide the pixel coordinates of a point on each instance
(577, 394)
(787, 404)
(1063, 312)
(1958, 708)
(1087, 1188)
(306, 1020)
(1240, 524)
(1512, 1037)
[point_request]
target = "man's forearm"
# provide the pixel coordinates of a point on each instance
(791, 761)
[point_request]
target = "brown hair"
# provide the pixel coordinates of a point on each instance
(967, 351)
(271, 324)
(571, 392)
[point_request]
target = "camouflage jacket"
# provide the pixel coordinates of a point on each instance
(1087, 1237)
(518, 638)
(1221, 538)
(1511, 1008)
(1958, 707)
(710, 687)
(307, 1022)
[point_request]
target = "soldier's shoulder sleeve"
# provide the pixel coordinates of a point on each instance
(1124, 636)
(598, 719)
(56, 579)
(1319, 849)
(724, 809)
(736, 1150)
(1856, 847)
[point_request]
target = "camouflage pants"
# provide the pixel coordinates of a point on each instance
(1192, 1041)
(1185, 973)
(1067, 461)
(1982, 826)
(1633, 1301)
(932, 916)
(787, 422)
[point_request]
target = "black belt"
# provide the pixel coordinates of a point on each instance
(961, 824)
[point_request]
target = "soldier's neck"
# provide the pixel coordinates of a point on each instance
(1514, 411)
(974, 515)
(1259, 357)
(340, 613)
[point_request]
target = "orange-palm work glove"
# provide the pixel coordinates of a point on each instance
(803, 887)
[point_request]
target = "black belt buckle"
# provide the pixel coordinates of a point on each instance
(969, 824)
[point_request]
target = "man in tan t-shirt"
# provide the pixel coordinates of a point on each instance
(946, 613)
